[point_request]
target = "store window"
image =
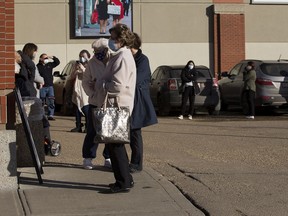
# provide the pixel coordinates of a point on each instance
(94, 18)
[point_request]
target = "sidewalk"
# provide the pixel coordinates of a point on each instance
(71, 190)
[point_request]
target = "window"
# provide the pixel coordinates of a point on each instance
(81, 25)
(235, 70)
(278, 69)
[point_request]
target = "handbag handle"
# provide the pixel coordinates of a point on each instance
(104, 106)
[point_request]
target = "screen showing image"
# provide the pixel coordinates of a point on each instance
(94, 18)
(269, 1)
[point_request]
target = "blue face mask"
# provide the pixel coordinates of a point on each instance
(112, 46)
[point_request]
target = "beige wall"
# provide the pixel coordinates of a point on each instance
(266, 32)
(172, 31)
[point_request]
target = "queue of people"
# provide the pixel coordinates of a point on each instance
(120, 69)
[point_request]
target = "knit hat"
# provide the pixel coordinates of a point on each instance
(100, 43)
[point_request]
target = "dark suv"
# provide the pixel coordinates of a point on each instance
(271, 84)
(164, 89)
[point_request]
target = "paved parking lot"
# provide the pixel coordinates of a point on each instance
(225, 165)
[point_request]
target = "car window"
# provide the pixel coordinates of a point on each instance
(235, 71)
(155, 74)
(176, 73)
(278, 69)
(67, 70)
(204, 73)
(165, 73)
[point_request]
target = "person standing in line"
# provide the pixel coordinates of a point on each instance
(102, 6)
(119, 81)
(30, 49)
(249, 90)
(45, 67)
(190, 88)
(79, 96)
(143, 113)
(93, 72)
(24, 80)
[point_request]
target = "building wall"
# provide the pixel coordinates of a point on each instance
(173, 31)
(6, 56)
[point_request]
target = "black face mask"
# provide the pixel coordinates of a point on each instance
(100, 55)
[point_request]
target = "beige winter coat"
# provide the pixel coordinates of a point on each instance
(79, 96)
(94, 71)
(119, 79)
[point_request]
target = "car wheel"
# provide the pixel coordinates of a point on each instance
(224, 106)
(163, 108)
(214, 110)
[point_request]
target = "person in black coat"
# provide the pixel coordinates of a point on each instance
(45, 67)
(143, 113)
(24, 75)
(189, 88)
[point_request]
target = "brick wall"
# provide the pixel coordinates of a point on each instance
(229, 40)
(6, 55)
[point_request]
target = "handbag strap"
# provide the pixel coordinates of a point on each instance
(104, 106)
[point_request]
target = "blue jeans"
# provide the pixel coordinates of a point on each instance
(47, 95)
(89, 147)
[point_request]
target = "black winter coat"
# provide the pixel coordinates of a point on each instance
(143, 113)
(46, 71)
(188, 75)
(25, 79)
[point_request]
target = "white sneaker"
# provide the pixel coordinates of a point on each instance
(87, 163)
(107, 163)
(190, 117)
(250, 117)
(180, 117)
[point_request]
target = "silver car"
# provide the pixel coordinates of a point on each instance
(164, 90)
(271, 84)
(63, 88)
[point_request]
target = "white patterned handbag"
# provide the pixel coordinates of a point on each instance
(112, 124)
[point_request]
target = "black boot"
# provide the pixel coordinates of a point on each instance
(78, 128)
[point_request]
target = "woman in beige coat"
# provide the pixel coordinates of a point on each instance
(119, 81)
(79, 96)
(94, 71)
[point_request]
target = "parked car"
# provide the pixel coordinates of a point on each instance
(63, 88)
(271, 84)
(164, 90)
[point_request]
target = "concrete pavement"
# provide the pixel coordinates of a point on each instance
(68, 189)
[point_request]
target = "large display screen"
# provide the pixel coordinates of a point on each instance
(94, 18)
(269, 1)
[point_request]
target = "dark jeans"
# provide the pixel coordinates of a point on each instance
(89, 147)
(78, 114)
(120, 164)
(136, 144)
(47, 95)
(248, 102)
(188, 94)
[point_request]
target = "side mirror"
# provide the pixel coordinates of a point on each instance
(56, 74)
(224, 74)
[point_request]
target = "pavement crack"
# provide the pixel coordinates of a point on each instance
(205, 212)
(24, 204)
(190, 176)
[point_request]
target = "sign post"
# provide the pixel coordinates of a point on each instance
(30, 140)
